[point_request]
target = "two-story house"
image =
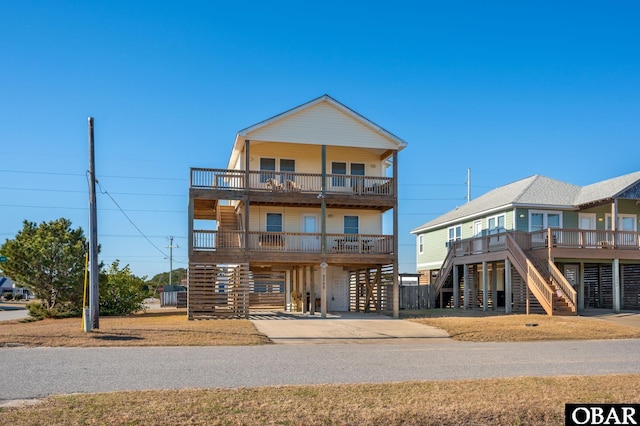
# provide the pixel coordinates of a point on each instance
(295, 220)
(537, 243)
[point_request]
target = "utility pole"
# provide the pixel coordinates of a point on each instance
(171, 247)
(94, 298)
(468, 185)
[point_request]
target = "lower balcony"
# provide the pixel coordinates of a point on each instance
(558, 243)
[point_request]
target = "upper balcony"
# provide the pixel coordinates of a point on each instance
(271, 187)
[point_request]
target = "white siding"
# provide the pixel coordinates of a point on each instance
(322, 124)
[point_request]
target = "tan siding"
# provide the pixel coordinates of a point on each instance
(370, 221)
(322, 124)
(308, 157)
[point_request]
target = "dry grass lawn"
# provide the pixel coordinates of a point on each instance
(170, 327)
(152, 328)
(514, 401)
(520, 328)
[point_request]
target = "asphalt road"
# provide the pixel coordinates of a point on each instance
(39, 372)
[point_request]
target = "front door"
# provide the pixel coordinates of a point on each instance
(477, 232)
(586, 223)
(310, 226)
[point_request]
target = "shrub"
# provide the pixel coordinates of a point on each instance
(38, 310)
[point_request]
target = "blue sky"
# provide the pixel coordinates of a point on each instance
(506, 89)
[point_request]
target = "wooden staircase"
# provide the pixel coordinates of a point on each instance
(561, 305)
(228, 236)
(543, 279)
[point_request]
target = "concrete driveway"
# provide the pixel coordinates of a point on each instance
(12, 311)
(628, 318)
(344, 327)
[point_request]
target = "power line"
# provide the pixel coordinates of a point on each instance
(103, 191)
(82, 192)
(79, 174)
(86, 208)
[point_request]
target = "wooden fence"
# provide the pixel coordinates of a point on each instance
(415, 297)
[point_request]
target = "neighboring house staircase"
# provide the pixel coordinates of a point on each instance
(547, 284)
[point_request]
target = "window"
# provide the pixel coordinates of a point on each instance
(274, 222)
(269, 165)
(351, 225)
(338, 169)
(357, 169)
(288, 166)
(495, 224)
(539, 220)
(420, 244)
(455, 234)
(357, 183)
(626, 222)
(553, 220)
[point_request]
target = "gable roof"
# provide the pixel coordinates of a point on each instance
(607, 189)
(310, 127)
(536, 191)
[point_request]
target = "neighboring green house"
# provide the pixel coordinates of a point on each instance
(496, 248)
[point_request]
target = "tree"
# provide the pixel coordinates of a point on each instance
(48, 259)
(121, 292)
(177, 275)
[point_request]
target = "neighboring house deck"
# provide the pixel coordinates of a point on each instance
(538, 245)
(295, 220)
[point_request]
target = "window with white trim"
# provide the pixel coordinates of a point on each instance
(495, 224)
(626, 222)
(338, 168)
(267, 165)
(455, 234)
(420, 244)
(351, 225)
(539, 220)
(274, 222)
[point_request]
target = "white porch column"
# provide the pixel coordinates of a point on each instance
(485, 285)
(507, 286)
(312, 290)
(287, 290)
(581, 288)
(615, 285)
(303, 289)
(456, 288)
(323, 289)
(494, 285)
(465, 294)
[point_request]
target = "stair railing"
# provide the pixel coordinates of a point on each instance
(541, 290)
(568, 292)
(446, 267)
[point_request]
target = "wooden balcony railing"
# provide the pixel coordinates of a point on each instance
(582, 238)
(205, 240)
(236, 180)
(560, 238)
